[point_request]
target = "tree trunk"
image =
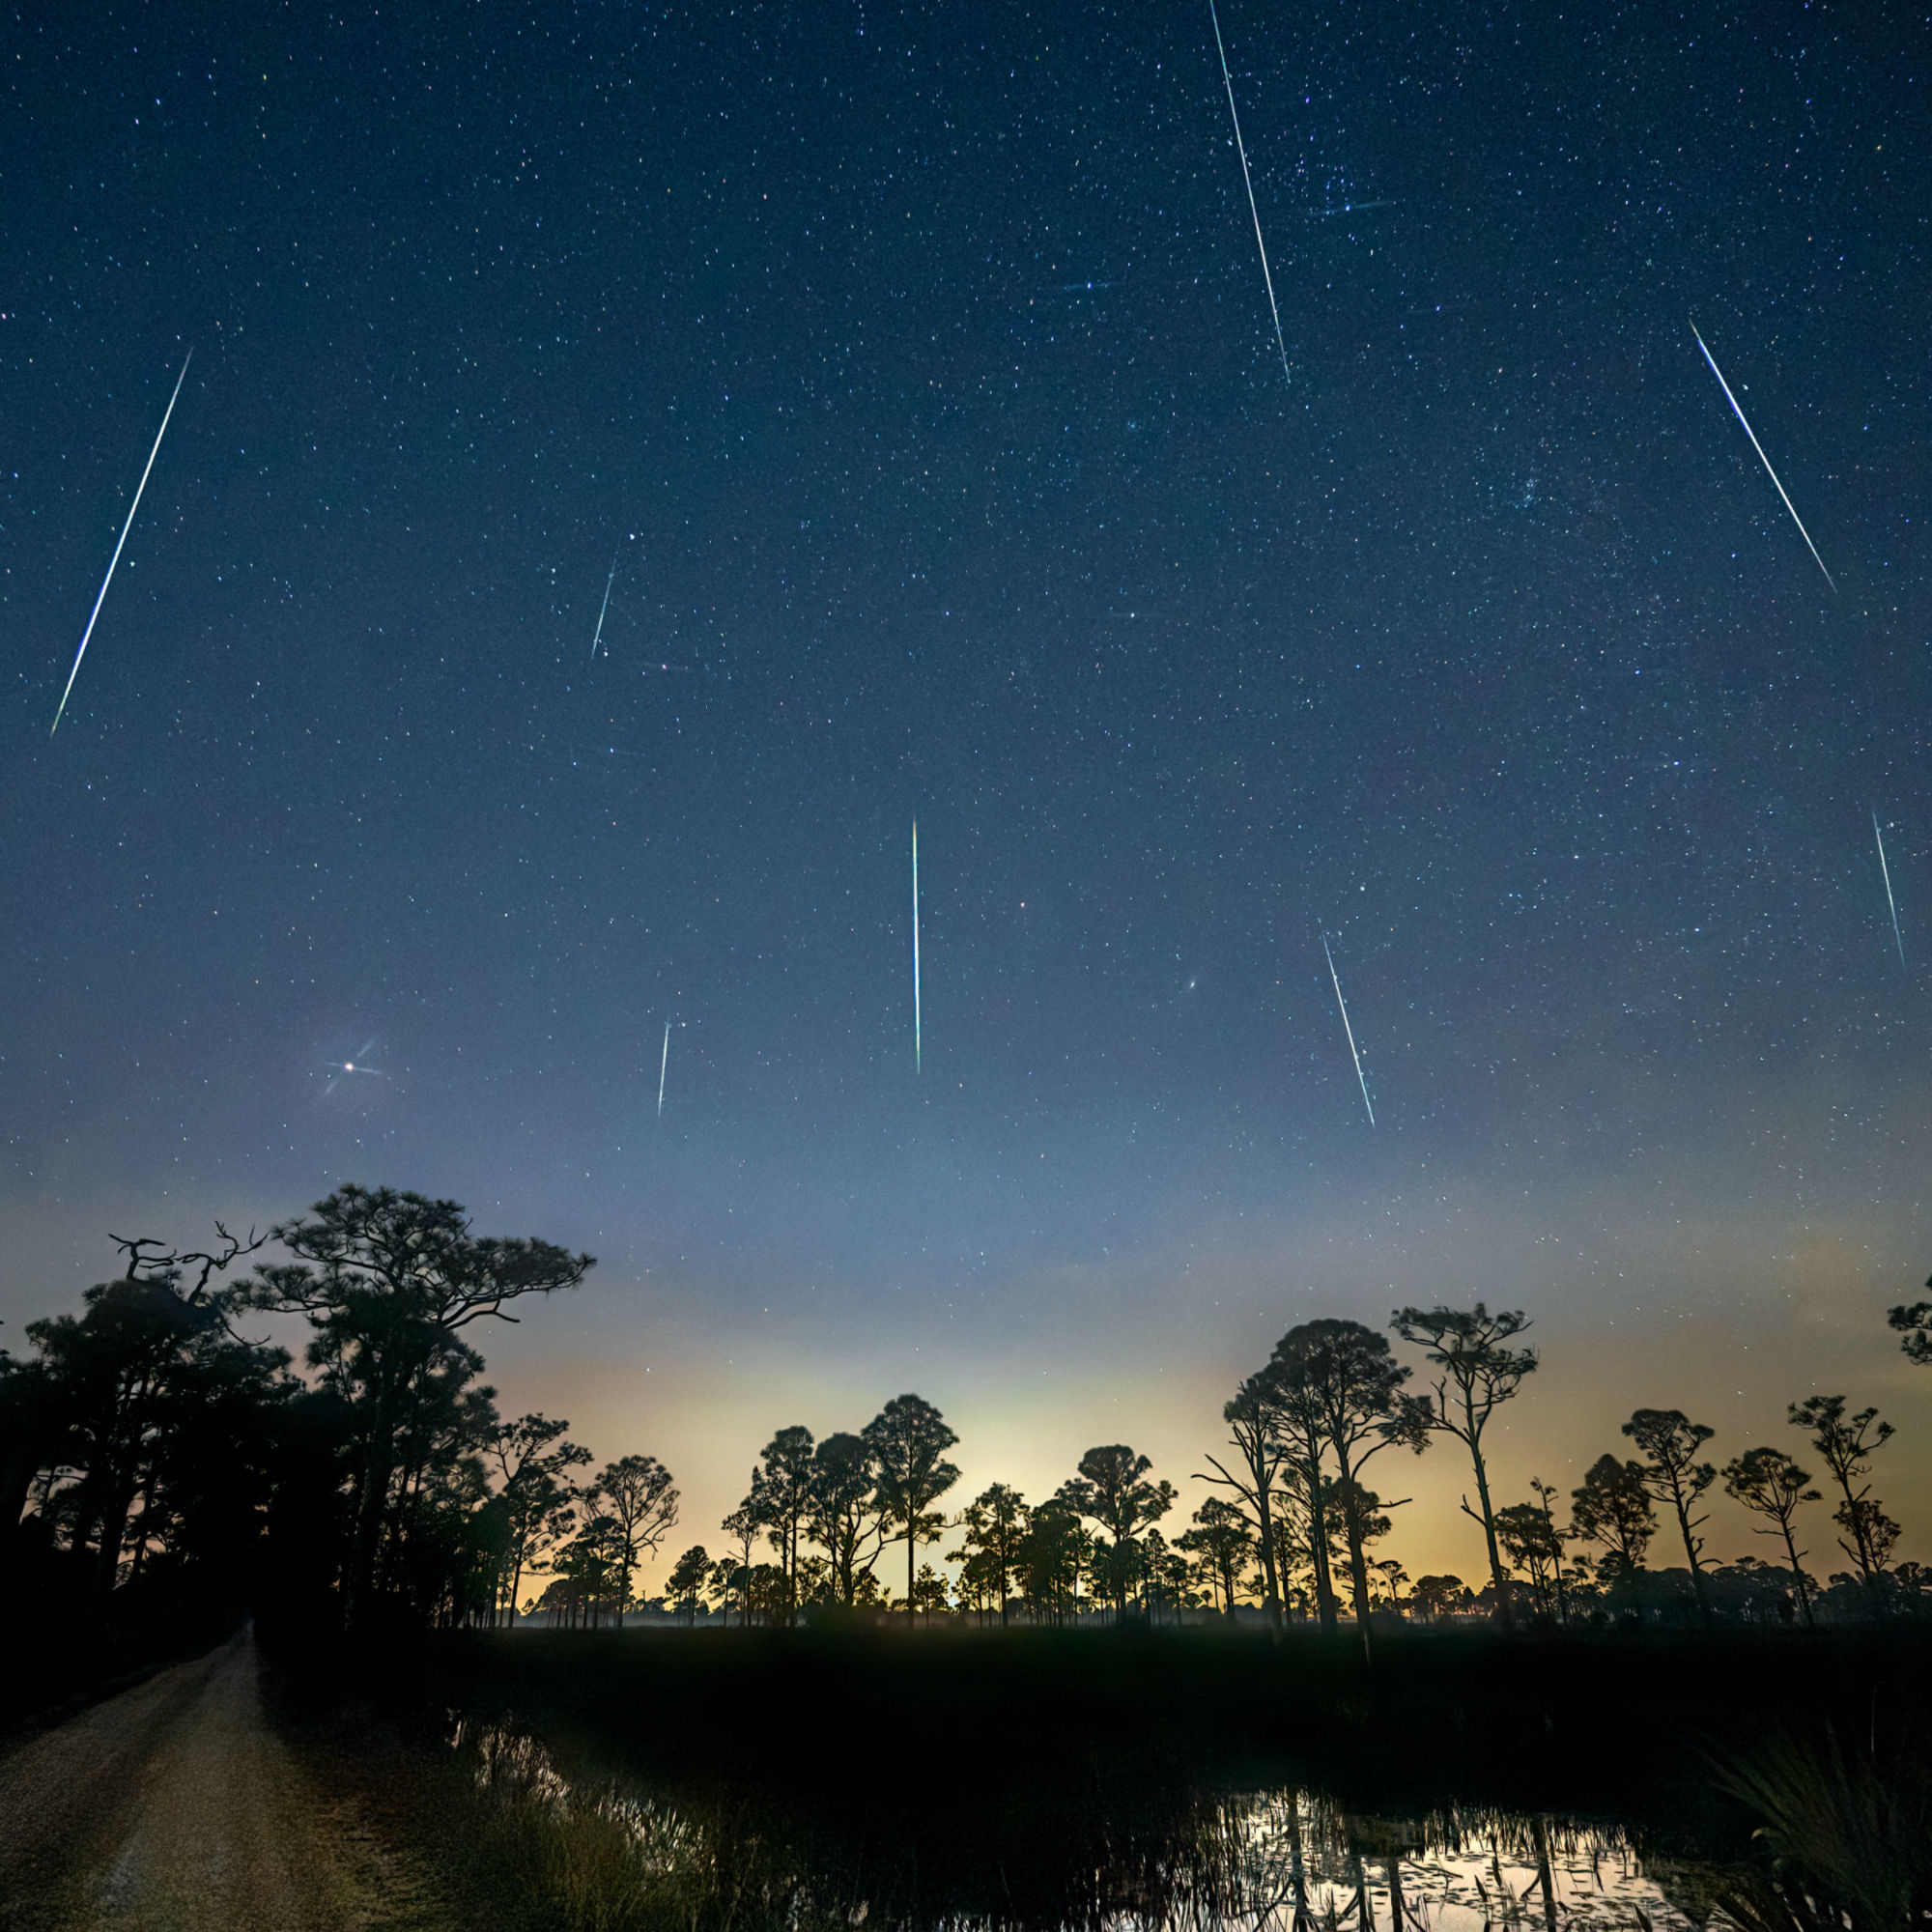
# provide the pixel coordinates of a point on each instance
(1505, 1609)
(372, 1493)
(1271, 1602)
(113, 1520)
(1697, 1582)
(1359, 1583)
(1797, 1575)
(1318, 1556)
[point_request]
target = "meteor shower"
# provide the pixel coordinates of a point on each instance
(965, 968)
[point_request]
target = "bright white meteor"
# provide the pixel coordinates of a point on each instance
(606, 605)
(1347, 1027)
(917, 1064)
(1886, 871)
(1762, 457)
(664, 1067)
(1241, 148)
(116, 558)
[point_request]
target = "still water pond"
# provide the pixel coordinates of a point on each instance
(1245, 1861)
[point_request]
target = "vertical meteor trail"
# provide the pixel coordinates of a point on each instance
(116, 558)
(1242, 149)
(664, 1065)
(1885, 872)
(1763, 458)
(1347, 1027)
(917, 1064)
(606, 605)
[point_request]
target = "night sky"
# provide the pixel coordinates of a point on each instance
(918, 367)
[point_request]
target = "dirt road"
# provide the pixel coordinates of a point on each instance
(175, 1808)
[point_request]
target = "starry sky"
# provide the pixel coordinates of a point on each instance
(916, 366)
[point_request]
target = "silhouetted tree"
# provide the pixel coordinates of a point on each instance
(930, 1597)
(840, 1515)
(1436, 1597)
(1846, 1443)
(1165, 1579)
(137, 1396)
(388, 1280)
(1770, 1484)
(532, 1463)
(1479, 1372)
(1392, 1577)
(1224, 1541)
(908, 1439)
(688, 1577)
(994, 1525)
(1670, 1442)
(638, 1497)
(1915, 1323)
(1359, 1517)
(1530, 1543)
(1112, 1490)
(1345, 1372)
(1260, 1453)
(1052, 1557)
(1303, 1491)
(1612, 1507)
(589, 1571)
(1546, 1500)
(724, 1585)
(780, 1497)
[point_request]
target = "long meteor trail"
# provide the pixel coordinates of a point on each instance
(606, 605)
(664, 1065)
(1886, 871)
(1227, 80)
(1346, 1027)
(116, 558)
(1763, 458)
(917, 1064)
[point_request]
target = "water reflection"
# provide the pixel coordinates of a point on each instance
(607, 1852)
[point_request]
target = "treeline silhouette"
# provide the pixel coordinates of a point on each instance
(163, 1470)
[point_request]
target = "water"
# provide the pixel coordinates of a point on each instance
(1125, 1861)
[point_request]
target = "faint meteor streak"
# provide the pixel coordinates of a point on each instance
(1886, 871)
(606, 605)
(664, 1067)
(116, 558)
(1763, 458)
(918, 1061)
(1347, 1027)
(1240, 146)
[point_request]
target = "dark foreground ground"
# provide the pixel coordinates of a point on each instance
(780, 1781)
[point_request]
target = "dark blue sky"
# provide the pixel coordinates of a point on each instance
(918, 367)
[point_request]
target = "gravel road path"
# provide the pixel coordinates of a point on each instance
(174, 1807)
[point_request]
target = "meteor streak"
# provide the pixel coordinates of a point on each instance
(606, 605)
(116, 558)
(1346, 1027)
(1241, 147)
(664, 1067)
(1886, 871)
(1762, 457)
(917, 1064)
